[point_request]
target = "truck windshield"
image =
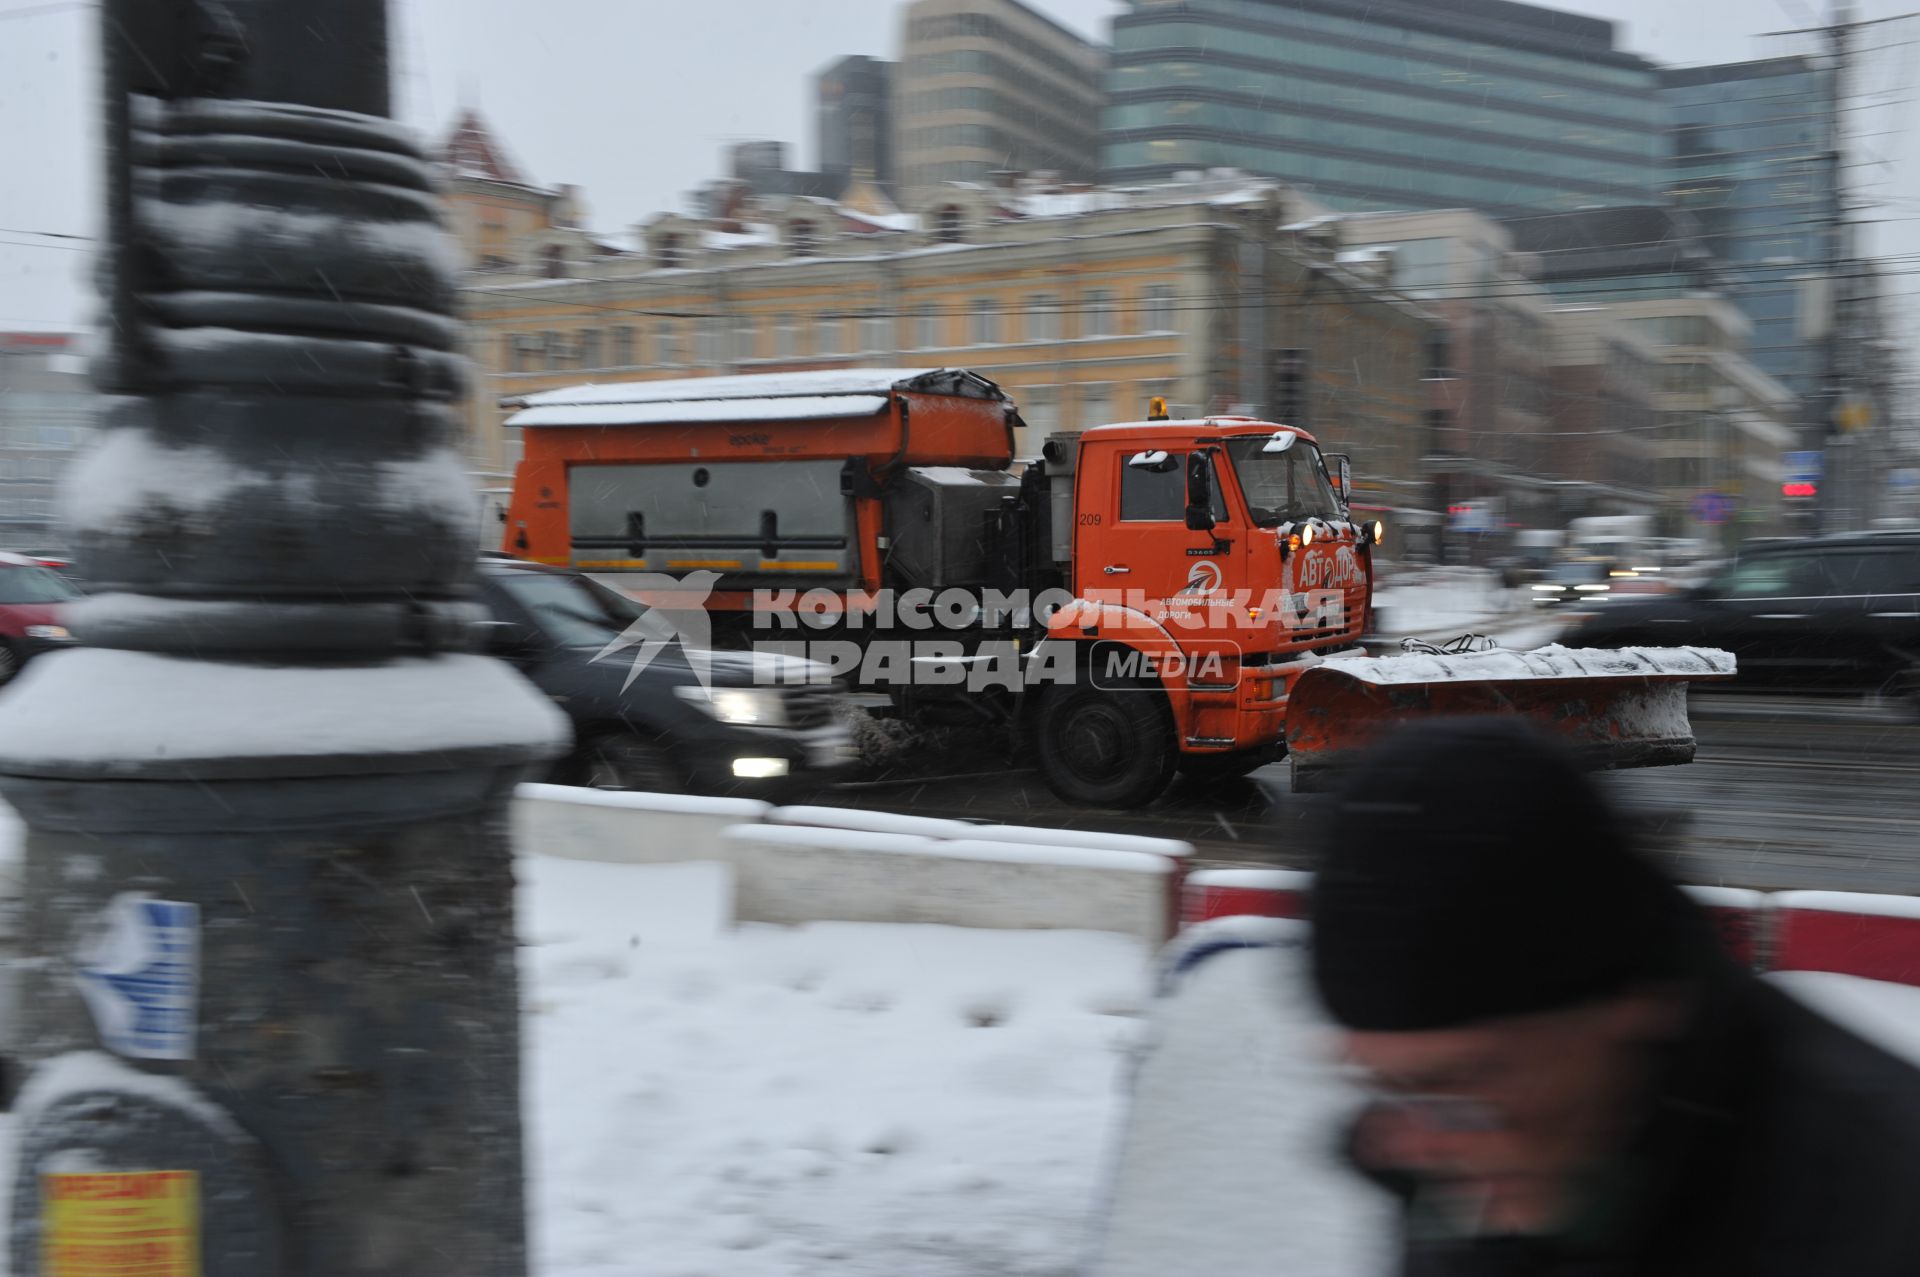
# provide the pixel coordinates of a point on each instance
(1283, 487)
(574, 611)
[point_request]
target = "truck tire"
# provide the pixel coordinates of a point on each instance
(9, 663)
(1106, 748)
(620, 761)
(1217, 769)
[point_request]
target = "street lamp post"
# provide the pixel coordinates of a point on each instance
(270, 1011)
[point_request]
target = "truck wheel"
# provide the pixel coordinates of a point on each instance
(1216, 769)
(617, 761)
(9, 664)
(1106, 748)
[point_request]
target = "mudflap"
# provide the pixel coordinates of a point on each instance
(1615, 707)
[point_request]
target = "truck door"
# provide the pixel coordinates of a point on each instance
(1147, 553)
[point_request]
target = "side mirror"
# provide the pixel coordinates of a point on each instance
(1200, 492)
(1342, 475)
(509, 640)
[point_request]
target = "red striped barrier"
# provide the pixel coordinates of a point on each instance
(1850, 933)
(1742, 918)
(1258, 893)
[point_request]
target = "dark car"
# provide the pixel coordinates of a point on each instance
(1839, 612)
(751, 728)
(32, 598)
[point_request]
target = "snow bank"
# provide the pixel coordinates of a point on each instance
(106, 708)
(839, 1098)
(1553, 661)
(1252, 879)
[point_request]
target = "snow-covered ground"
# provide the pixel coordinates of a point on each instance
(840, 1097)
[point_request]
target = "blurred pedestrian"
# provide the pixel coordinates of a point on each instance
(1568, 1077)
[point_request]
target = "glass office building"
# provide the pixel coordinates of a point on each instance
(1753, 163)
(1387, 104)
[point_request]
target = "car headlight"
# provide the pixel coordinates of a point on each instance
(743, 706)
(48, 632)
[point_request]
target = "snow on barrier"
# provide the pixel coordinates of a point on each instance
(625, 827)
(878, 822)
(799, 873)
(1849, 933)
(1260, 893)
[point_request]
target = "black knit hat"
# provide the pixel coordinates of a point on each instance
(1469, 870)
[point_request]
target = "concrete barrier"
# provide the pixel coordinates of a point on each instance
(1259, 893)
(623, 827)
(797, 873)
(1849, 933)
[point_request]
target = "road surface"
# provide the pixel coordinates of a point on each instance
(1786, 792)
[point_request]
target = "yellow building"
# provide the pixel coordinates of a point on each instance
(1083, 303)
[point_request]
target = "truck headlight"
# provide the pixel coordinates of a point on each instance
(58, 632)
(742, 706)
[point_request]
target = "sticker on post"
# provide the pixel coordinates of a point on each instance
(120, 1224)
(139, 974)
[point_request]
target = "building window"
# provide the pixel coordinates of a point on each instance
(510, 352)
(622, 356)
(926, 327)
(1096, 408)
(710, 342)
(1156, 307)
(745, 339)
(555, 352)
(873, 334)
(667, 253)
(1043, 318)
(666, 345)
(786, 338)
(985, 328)
(1439, 355)
(1038, 408)
(1096, 314)
(948, 228)
(800, 238)
(589, 340)
(555, 260)
(826, 336)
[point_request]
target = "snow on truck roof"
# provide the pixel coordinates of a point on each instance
(785, 396)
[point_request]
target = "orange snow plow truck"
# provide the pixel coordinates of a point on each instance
(1143, 598)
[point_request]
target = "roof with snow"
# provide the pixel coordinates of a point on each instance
(471, 151)
(787, 396)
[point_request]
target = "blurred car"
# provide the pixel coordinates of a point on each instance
(32, 601)
(1566, 584)
(1832, 612)
(755, 728)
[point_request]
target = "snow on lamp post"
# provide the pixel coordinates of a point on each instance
(269, 1014)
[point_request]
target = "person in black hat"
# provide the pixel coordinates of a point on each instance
(1567, 1077)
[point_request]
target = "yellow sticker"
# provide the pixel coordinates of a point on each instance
(124, 1224)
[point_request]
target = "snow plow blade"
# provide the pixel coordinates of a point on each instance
(1616, 707)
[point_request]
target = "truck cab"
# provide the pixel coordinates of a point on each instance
(1211, 559)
